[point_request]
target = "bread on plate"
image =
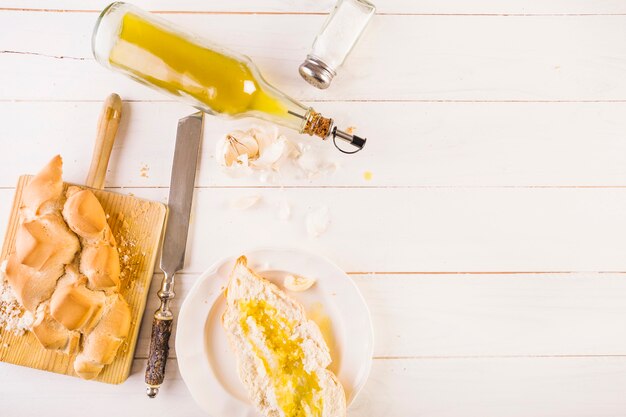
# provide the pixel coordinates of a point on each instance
(282, 357)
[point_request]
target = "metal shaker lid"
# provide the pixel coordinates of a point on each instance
(316, 72)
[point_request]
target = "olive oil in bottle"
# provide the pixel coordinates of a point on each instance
(216, 81)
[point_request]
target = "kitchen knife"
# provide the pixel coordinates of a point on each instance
(188, 139)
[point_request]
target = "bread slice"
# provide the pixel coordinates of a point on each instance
(43, 192)
(282, 356)
(84, 214)
(52, 334)
(101, 345)
(99, 259)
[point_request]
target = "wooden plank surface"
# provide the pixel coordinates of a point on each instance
(488, 243)
(515, 387)
(418, 229)
(499, 58)
(442, 144)
(450, 315)
(549, 7)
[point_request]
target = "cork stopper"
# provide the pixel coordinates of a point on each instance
(317, 125)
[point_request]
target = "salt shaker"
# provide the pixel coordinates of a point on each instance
(335, 41)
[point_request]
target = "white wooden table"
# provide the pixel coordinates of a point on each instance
(490, 243)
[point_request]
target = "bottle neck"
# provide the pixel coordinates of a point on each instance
(317, 125)
(284, 111)
(294, 114)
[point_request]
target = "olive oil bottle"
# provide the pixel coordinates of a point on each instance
(216, 81)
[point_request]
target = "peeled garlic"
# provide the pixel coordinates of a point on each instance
(263, 152)
(298, 283)
(235, 145)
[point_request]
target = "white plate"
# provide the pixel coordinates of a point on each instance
(206, 362)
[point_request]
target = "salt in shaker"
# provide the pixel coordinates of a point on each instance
(335, 41)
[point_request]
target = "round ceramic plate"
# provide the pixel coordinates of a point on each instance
(207, 364)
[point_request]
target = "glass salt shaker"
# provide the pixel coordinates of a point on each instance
(335, 41)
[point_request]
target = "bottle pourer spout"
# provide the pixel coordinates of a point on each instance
(354, 140)
(317, 125)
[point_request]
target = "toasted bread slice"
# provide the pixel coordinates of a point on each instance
(282, 356)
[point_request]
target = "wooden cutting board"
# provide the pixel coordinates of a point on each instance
(137, 225)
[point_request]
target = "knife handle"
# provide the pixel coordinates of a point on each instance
(159, 349)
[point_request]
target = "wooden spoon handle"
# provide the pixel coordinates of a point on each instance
(108, 123)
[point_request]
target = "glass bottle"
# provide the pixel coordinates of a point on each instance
(331, 47)
(217, 81)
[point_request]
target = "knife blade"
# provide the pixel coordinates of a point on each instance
(181, 192)
(188, 138)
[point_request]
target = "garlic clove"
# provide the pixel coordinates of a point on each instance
(297, 283)
(235, 145)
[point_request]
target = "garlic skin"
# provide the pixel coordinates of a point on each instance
(259, 149)
(317, 221)
(312, 164)
(236, 144)
(271, 154)
(263, 152)
(297, 283)
(246, 202)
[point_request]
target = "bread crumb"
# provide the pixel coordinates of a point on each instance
(13, 318)
(124, 347)
(130, 244)
(125, 244)
(140, 209)
(367, 176)
(143, 172)
(26, 321)
(350, 130)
